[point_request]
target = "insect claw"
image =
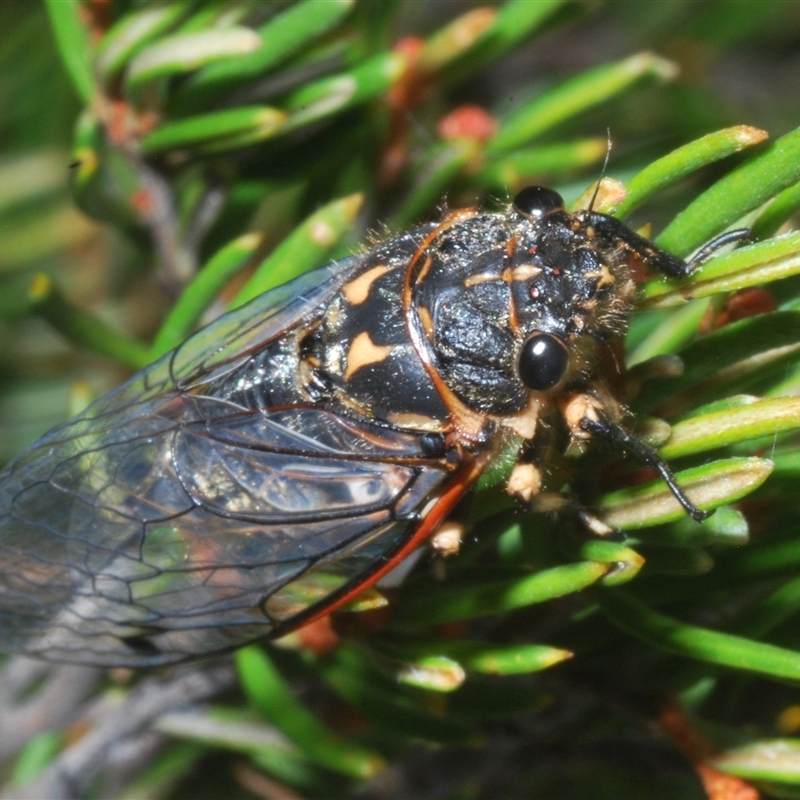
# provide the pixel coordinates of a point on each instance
(697, 514)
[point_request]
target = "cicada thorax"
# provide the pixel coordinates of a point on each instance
(360, 357)
(463, 325)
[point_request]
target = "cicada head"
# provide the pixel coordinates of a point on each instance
(521, 302)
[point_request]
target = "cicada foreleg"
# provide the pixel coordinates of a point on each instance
(586, 417)
(616, 435)
(668, 264)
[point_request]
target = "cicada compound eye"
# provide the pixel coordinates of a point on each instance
(543, 362)
(536, 201)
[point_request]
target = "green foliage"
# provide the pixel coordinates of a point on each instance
(221, 149)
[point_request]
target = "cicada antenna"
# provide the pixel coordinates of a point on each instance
(602, 171)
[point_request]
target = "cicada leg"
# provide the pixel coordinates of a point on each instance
(586, 418)
(615, 434)
(528, 480)
(668, 264)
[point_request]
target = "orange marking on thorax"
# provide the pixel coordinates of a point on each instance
(357, 291)
(426, 320)
(467, 422)
(508, 277)
(524, 272)
(364, 351)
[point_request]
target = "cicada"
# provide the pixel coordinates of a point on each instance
(293, 452)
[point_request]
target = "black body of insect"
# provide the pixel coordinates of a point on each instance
(291, 453)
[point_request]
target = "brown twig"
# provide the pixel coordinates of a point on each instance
(120, 732)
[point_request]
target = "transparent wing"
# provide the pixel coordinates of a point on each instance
(188, 527)
(221, 346)
(162, 524)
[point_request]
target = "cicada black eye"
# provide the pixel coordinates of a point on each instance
(543, 362)
(536, 201)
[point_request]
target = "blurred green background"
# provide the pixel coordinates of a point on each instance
(125, 172)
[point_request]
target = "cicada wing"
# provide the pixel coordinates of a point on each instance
(181, 525)
(221, 346)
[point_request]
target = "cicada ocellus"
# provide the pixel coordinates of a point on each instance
(290, 454)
